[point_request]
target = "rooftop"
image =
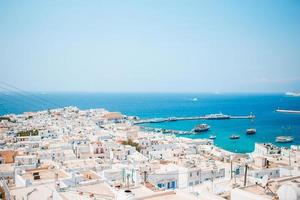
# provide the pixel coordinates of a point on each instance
(44, 173)
(273, 185)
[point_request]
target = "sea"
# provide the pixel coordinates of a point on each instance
(267, 122)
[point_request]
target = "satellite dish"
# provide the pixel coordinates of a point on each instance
(288, 192)
(125, 194)
(265, 181)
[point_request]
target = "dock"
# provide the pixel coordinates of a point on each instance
(206, 117)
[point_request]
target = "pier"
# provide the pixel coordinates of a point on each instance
(206, 117)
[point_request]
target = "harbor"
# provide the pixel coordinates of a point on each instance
(205, 117)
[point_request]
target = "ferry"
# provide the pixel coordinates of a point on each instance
(288, 111)
(234, 137)
(201, 128)
(284, 139)
(217, 116)
(212, 137)
(293, 94)
(251, 131)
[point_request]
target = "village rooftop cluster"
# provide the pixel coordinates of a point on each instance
(69, 153)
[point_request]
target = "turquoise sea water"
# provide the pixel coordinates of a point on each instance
(268, 123)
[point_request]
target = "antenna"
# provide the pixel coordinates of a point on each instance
(264, 181)
(245, 178)
(265, 185)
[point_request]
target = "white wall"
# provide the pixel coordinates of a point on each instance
(239, 194)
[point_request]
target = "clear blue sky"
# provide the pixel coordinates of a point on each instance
(151, 46)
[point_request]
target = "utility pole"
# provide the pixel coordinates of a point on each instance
(245, 177)
(231, 169)
(290, 164)
(290, 158)
(200, 176)
(56, 182)
(128, 176)
(145, 177)
(212, 180)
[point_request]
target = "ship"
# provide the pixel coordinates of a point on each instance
(284, 139)
(234, 137)
(201, 128)
(293, 94)
(251, 131)
(217, 116)
(288, 111)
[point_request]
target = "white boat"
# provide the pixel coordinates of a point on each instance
(212, 137)
(234, 137)
(293, 94)
(284, 139)
(251, 131)
(201, 128)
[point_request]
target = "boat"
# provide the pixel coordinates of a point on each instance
(172, 119)
(251, 131)
(166, 131)
(234, 137)
(284, 139)
(293, 94)
(201, 128)
(212, 137)
(183, 133)
(217, 116)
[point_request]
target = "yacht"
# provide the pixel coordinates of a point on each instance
(201, 128)
(251, 131)
(234, 137)
(284, 139)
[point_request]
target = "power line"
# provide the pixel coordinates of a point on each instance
(39, 101)
(3, 108)
(18, 100)
(30, 95)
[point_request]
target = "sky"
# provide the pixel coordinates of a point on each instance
(151, 46)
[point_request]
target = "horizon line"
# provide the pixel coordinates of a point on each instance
(151, 92)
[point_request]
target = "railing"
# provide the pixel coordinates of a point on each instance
(4, 185)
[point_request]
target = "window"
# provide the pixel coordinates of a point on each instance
(196, 182)
(169, 185)
(191, 174)
(173, 184)
(197, 173)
